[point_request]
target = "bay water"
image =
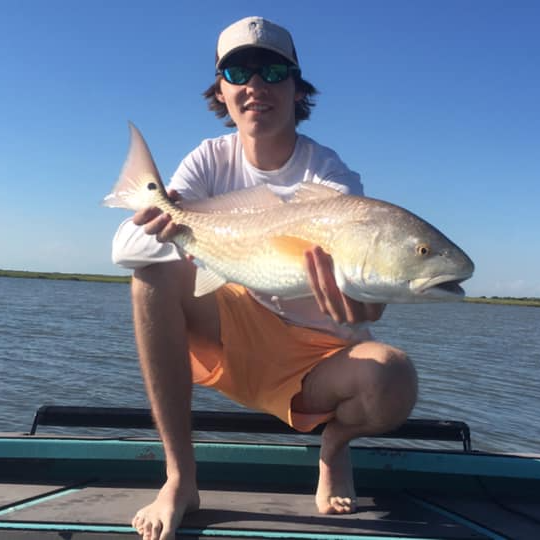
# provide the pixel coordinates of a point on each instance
(71, 343)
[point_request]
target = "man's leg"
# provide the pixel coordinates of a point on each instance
(372, 388)
(164, 310)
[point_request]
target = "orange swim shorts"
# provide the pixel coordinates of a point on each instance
(264, 359)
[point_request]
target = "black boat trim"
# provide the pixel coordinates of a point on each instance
(237, 422)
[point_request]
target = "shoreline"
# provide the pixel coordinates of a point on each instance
(503, 301)
(101, 278)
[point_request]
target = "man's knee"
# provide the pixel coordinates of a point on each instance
(162, 281)
(392, 387)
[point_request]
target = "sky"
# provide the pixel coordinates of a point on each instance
(435, 103)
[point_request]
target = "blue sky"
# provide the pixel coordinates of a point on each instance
(435, 103)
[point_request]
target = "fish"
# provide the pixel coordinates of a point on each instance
(257, 237)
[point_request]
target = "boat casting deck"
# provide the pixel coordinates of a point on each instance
(88, 488)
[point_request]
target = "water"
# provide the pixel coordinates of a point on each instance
(71, 343)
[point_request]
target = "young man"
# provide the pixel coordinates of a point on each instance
(306, 361)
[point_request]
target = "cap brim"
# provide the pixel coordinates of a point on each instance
(220, 62)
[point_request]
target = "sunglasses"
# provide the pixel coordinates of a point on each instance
(269, 73)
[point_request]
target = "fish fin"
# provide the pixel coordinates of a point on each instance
(207, 281)
(309, 192)
(290, 246)
(260, 198)
(139, 181)
(241, 201)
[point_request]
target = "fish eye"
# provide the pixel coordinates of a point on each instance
(423, 250)
(151, 186)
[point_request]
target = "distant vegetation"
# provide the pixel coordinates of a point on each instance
(61, 275)
(126, 279)
(524, 301)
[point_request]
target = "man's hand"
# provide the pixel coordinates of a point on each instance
(157, 223)
(331, 300)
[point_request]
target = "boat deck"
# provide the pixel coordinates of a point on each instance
(98, 510)
(82, 488)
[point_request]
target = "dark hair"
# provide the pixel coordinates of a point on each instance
(302, 108)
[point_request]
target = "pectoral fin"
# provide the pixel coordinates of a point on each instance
(207, 281)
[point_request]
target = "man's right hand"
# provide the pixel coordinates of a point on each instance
(158, 223)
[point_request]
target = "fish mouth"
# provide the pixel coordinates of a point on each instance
(446, 287)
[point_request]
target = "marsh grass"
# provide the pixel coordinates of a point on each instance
(64, 276)
(535, 302)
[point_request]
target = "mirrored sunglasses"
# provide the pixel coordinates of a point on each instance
(269, 73)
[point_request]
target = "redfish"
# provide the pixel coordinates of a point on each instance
(257, 237)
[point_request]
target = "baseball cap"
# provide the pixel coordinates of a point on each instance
(255, 32)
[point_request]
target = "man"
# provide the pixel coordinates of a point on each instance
(306, 361)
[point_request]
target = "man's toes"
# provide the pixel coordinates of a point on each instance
(343, 505)
(147, 530)
(156, 530)
(167, 533)
(138, 523)
(338, 505)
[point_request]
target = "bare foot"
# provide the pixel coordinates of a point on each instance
(335, 491)
(159, 520)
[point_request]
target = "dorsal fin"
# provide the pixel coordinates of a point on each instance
(260, 198)
(242, 201)
(309, 191)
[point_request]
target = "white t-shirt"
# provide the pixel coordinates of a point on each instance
(218, 166)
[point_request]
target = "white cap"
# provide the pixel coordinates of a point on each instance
(255, 32)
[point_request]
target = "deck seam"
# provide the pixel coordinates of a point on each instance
(507, 508)
(42, 497)
(458, 518)
(217, 533)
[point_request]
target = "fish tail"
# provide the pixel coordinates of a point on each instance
(139, 184)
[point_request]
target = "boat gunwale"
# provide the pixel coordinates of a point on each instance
(375, 458)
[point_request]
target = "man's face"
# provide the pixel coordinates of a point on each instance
(258, 108)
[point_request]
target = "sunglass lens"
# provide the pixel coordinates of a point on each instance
(237, 74)
(274, 73)
(270, 73)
